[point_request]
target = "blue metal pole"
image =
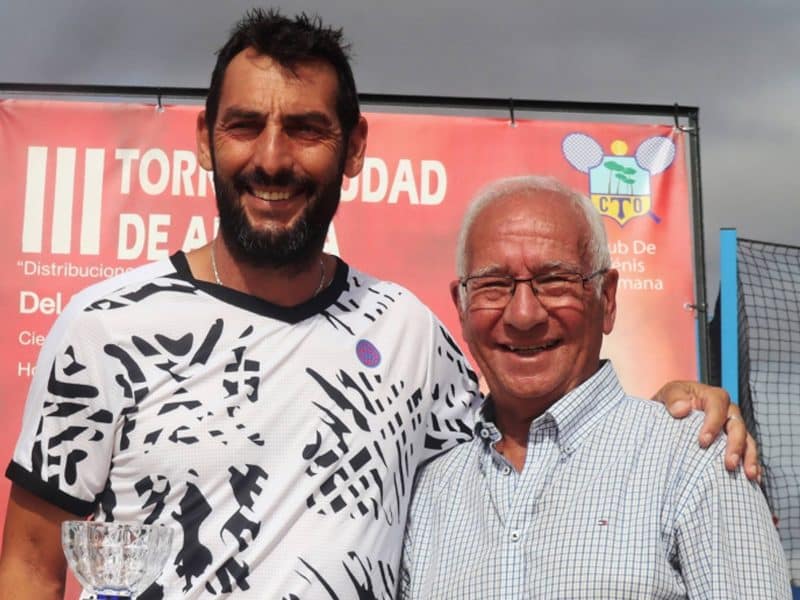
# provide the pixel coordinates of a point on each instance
(729, 325)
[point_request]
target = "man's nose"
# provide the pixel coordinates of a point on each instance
(524, 310)
(273, 152)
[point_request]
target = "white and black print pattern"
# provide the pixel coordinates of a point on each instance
(281, 443)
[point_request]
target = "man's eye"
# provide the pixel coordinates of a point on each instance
(305, 130)
(552, 279)
(491, 284)
(243, 127)
(557, 283)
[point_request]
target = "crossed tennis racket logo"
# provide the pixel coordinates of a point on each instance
(619, 184)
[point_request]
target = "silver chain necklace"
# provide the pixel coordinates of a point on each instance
(218, 281)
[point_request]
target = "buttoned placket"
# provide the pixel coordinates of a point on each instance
(515, 495)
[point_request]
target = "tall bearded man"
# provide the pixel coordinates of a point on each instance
(268, 401)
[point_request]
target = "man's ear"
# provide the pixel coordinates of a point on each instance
(455, 296)
(203, 140)
(356, 147)
(608, 296)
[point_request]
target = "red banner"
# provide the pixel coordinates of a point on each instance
(91, 189)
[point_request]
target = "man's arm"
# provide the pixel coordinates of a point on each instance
(404, 577)
(726, 543)
(32, 564)
(421, 548)
(681, 397)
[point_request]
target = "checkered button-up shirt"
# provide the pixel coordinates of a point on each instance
(615, 500)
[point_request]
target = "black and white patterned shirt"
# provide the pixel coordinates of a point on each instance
(281, 443)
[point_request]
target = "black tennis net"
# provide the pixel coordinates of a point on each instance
(769, 376)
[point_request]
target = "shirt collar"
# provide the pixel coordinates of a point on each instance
(485, 429)
(575, 414)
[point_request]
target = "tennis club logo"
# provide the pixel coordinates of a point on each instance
(619, 183)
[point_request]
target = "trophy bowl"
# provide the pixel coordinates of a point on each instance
(115, 559)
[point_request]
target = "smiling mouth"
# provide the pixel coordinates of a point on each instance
(532, 350)
(272, 196)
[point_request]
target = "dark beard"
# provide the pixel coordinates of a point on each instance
(294, 247)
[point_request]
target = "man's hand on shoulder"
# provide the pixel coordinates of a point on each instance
(681, 397)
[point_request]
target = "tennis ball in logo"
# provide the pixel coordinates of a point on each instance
(619, 148)
(367, 353)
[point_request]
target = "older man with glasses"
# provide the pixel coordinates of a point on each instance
(571, 488)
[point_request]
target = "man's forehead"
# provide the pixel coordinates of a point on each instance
(251, 74)
(528, 214)
(539, 202)
(298, 69)
(547, 223)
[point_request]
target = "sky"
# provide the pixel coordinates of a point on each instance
(734, 59)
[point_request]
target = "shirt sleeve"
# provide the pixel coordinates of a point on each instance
(453, 387)
(404, 580)
(727, 545)
(63, 453)
(421, 540)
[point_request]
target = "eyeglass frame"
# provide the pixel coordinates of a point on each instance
(584, 279)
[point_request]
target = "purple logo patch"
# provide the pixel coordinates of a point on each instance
(367, 353)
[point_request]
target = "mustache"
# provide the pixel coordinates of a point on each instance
(258, 177)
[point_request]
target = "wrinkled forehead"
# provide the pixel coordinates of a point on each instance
(250, 71)
(543, 227)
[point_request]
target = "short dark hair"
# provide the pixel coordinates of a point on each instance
(289, 42)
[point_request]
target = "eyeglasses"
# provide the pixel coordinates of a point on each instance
(554, 289)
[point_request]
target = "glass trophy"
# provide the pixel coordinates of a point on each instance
(115, 561)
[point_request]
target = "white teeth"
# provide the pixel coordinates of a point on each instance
(532, 348)
(272, 196)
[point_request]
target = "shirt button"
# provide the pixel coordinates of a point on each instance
(506, 470)
(514, 536)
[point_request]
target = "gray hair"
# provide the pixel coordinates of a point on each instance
(529, 186)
